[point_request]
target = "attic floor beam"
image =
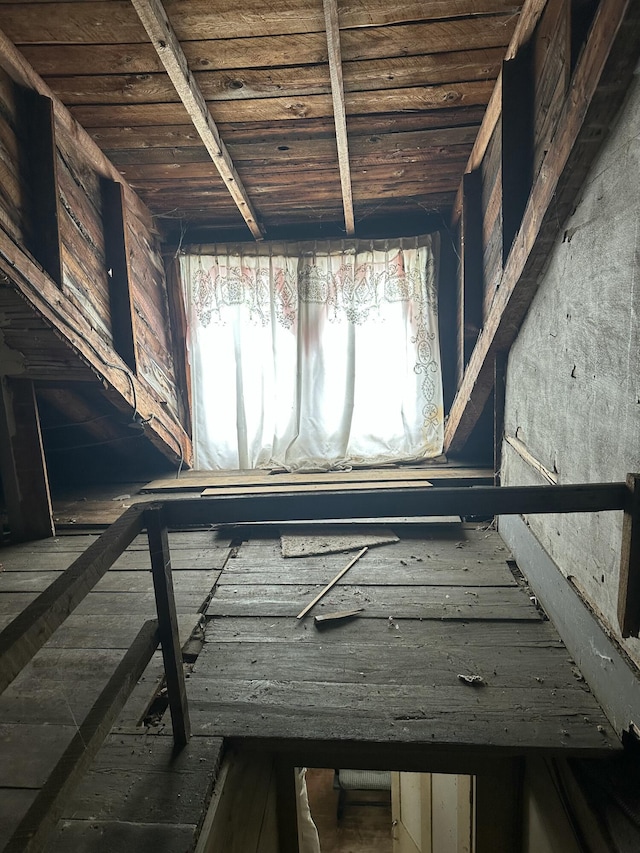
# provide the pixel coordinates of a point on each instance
(22, 462)
(156, 23)
(600, 82)
(339, 111)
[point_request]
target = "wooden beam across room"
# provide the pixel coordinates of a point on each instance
(599, 84)
(156, 23)
(339, 111)
(482, 501)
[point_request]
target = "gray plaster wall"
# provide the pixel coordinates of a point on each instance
(573, 378)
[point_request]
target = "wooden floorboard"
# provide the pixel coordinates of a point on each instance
(42, 708)
(129, 767)
(433, 602)
(441, 603)
(437, 610)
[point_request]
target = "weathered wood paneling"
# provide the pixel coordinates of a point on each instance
(551, 68)
(13, 197)
(153, 326)
(400, 65)
(84, 267)
(492, 215)
(284, 81)
(599, 83)
(395, 674)
(116, 22)
(85, 279)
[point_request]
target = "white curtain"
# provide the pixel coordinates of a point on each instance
(312, 356)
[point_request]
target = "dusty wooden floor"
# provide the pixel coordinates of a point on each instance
(441, 609)
(136, 792)
(439, 604)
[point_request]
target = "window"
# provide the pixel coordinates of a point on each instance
(313, 356)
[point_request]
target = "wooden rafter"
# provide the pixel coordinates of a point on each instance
(156, 23)
(600, 82)
(339, 111)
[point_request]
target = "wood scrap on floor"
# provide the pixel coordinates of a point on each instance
(437, 474)
(327, 619)
(332, 583)
(307, 541)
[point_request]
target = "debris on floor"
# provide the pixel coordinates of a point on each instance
(308, 541)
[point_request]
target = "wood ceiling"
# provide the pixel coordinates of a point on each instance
(412, 76)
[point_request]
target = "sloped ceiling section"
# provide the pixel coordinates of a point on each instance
(416, 79)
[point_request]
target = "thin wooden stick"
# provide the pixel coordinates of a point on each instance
(332, 583)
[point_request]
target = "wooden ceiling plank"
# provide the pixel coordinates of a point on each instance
(112, 21)
(156, 23)
(423, 98)
(600, 81)
(398, 162)
(170, 136)
(71, 80)
(385, 147)
(283, 81)
(430, 37)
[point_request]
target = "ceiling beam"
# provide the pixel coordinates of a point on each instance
(339, 111)
(600, 83)
(156, 23)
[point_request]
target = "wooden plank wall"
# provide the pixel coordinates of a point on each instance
(547, 61)
(85, 278)
(13, 202)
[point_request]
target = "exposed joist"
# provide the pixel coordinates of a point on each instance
(388, 503)
(156, 23)
(600, 82)
(339, 110)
